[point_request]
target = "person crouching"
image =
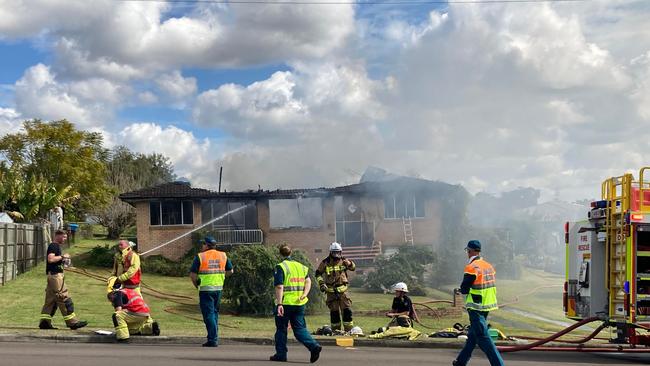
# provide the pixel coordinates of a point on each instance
(132, 315)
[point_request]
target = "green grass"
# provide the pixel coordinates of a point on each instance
(21, 301)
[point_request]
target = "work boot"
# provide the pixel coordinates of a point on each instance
(209, 344)
(124, 341)
(79, 324)
(277, 358)
(155, 329)
(315, 353)
(44, 324)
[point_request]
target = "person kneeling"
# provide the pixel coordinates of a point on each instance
(132, 314)
(402, 315)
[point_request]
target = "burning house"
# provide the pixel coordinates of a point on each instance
(377, 215)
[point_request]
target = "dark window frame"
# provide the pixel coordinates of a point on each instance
(185, 212)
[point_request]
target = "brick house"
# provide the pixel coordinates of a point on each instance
(367, 218)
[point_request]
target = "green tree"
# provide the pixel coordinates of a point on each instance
(127, 171)
(408, 265)
(52, 163)
(250, 287)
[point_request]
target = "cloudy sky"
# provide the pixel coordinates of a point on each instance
(553, 95)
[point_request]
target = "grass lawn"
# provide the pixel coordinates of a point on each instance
(21, 301)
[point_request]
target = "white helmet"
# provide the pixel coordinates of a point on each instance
(335, 247)
(356, 331)
(400, 286)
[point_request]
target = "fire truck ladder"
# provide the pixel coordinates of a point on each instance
(407, 224)
(616, 191)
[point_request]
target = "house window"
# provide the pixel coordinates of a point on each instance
(403, 205)
(298, 212)
(245, 218)
(171, 213)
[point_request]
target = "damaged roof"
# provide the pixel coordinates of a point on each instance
(185, 190)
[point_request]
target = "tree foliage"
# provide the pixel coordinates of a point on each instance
(408, 265)
(127, 171)
(51, 163)
(250, 288)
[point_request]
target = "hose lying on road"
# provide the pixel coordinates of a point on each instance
(523, 347)
(573, 341)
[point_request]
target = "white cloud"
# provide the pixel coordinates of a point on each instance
(177, 87)
(87, 103)
(191, 156)
(150, 35)
(10, 121)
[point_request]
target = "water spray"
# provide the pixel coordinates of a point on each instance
(195, 229)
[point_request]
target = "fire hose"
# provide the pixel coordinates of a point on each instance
(536, 346)
(154, 293)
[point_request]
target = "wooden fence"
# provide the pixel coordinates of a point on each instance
(22, 247)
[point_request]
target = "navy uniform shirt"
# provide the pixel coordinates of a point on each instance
(56, 267)
(402, 304)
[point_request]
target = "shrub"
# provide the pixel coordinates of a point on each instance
(408, 266)
(167, 267)
(250, 288)
(101, 256)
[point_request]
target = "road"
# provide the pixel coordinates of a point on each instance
(78, 354)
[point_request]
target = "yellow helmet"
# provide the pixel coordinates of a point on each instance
(110, 284)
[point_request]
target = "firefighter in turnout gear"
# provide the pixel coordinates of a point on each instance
(132, 315)
(332, 279)
(126, 266)
(56, 292)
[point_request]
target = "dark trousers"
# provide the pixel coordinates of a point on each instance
(478, 335)
(295, 315)
(209, 302)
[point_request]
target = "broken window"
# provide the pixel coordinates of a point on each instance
(244, 219)
(403, 205)
(297, 212)
(171, 213)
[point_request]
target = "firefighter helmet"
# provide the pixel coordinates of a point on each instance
(111, 284)
(335, 247)
(400, 286)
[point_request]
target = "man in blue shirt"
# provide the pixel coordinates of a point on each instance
(207, 273)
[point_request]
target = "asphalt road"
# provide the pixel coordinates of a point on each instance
(78, 354)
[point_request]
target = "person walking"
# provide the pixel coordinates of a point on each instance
(208, 273)
(292, 285)
(56, 292)
(332, 277)
(126, 266)
(479, 285)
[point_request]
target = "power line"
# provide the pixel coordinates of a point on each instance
(339, 2)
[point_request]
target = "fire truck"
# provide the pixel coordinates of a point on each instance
(608, 259)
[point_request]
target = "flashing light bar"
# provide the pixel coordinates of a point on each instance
(636, 217)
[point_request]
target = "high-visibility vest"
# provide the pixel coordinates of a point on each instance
(212, 270)
(135, 304)
(484, 286)
(134, 281)
(294, 282)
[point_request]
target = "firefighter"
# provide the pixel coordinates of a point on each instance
(479, 285)
(292, 284)
(126, 266)
(332, 279)
(208, 273)
(132, 315)
(402, 315)
(56, 292)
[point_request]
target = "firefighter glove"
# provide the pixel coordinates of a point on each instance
(323, 287)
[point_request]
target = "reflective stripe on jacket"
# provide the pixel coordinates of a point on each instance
(212, 270)
(483, 293)
(295, 274)
(135, 304)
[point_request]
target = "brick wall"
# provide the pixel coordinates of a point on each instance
(426, 231)
(152, 236)
(314, 242)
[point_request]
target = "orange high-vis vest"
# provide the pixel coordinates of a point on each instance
(483, 293)
(212, 270)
